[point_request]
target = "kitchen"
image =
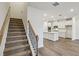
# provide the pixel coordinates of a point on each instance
(55, 29)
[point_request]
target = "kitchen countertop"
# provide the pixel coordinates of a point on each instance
(50, 32)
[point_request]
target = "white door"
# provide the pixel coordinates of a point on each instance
(68, 33)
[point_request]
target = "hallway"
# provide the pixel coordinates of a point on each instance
(63, 47)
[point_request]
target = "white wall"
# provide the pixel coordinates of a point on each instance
(19, 10)
(45, 26)
(2, 46)
(3, 11)
(16, 9)
(4, 16)
(35, 15)
(76, 28)
(24, 16)
(73, 28)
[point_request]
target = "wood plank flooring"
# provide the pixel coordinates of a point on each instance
(62, 47)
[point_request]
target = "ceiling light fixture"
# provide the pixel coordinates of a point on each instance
(52, 16)
(71, 10)
(45, 15)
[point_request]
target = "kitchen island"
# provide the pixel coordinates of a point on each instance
(51, 35)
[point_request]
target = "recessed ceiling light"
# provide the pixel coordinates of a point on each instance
(71, 10)
(45, 15)
(52, 16)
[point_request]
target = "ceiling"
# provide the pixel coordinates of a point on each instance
(63, 9)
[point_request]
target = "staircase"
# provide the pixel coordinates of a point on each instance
(16, 42)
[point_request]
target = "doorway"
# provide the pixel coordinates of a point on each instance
(68, 33)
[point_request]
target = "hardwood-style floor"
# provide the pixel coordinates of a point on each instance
(62, 47)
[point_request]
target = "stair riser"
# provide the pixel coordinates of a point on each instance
(16, 34)
(15, 20)
(19, 38)
(16, 47)
(16, 27)
(16, 24)
(16, 44)
(16, 39)
(15, 51)
(16, 30)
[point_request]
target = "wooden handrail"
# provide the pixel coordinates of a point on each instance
(35, 34)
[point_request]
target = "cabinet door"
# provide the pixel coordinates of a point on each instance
(46, 35)
(51, 36)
